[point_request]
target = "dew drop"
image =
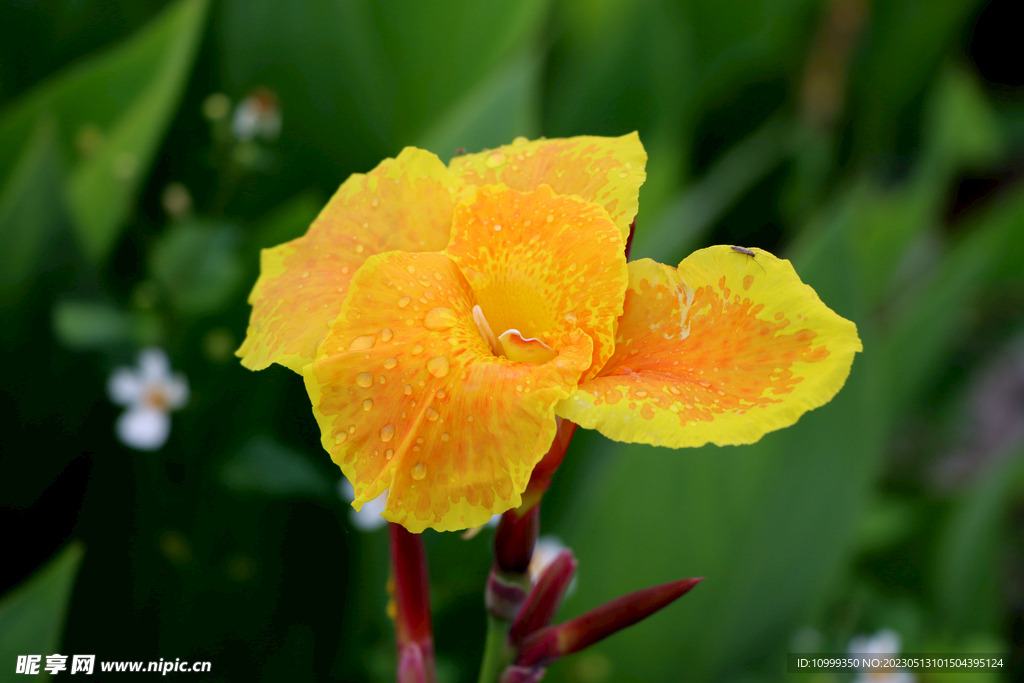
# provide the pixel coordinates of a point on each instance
(359, 248)
(376, 202)
(305, 275)
(440, 394)
(351, 429)
(344, 270)
(572, 267)
(387, 432)
(363, 343)
(495, 159)
(497, 228)
(340, 438)
(551, 217)
(390, 363)
(438, 367)
(432, 414)
(439, 319)
(408, 389)
(469, 418)
(364, 379)
(520, 141)
(445, 436)
(623, 174)
(386, 334)
(419, 470)
(404, 301)
(417, 350)
(388, 453)
(641, 393)
(367, 405)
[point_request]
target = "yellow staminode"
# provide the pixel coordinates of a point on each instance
(441, 319)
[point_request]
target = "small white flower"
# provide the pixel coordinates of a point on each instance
(258, 115)
(150, 392)
(885, 643)
(367, 518)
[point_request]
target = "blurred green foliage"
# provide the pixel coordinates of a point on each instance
(878, 145)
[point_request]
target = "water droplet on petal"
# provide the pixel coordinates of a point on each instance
(445, 436)
(388, 453)
(417, 350)
(390, 363)
(497, 228)
(359, 248)
(376, 202)
(439, 319)
(495, 159)
(623, 174)
(387, 432)
(419, 470)
(432, 414)
(386, 334)
(367, 404)
(438, 367)
(404, 301)
(340, 438)
(408, 389)
(363, 343)
(364, 379)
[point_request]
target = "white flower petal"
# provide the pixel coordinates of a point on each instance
(144, 428)
(154, 365)
(176, 391)
(124, 387)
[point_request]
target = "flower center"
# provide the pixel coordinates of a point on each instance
(157, 398)
(511, 344)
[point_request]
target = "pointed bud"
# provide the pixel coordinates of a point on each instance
(540, 479)
(548, 644)
(412, 602)
(629, 240)
(515, 539)
(545, 598)
(411, 667)
(522, 674)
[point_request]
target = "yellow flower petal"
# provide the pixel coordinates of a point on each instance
(723, 350)
(607, 171)
(542, 264)
(405, 203)
(410, 397)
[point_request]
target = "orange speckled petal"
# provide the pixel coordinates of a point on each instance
(410, 397)
(608, 171)
(405, 203)
(723, 350)
(543, 264)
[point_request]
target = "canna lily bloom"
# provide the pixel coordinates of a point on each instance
(442, 317)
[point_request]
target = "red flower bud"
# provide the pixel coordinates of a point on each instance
(412, 605)
(545, 598)
(548, 644)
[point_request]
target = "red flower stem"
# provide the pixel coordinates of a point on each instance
(413, 627)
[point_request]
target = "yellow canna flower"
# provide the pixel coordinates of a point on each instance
(442, 317)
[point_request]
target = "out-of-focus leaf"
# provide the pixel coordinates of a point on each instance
(680, 227)
(288, 221)
(503, 106)
(102, 188)
(199, 265)
(32, 615)
(961, 131)
(967, 561)
(907, 40)
(31, 206)
(265, 466)
(82, 325)
(928, 324)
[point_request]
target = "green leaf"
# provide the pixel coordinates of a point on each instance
(503, 106)
(32, 615)
(82, 325)
(936, 315)
(31, 206)
(265, 466)
(102, 188)
(111, 112)
(199, 265)
(908, 38)
(967, 562)
(286, 222)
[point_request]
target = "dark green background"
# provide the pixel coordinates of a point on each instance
(899, 199)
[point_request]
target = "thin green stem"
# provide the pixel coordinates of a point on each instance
(497, 653)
